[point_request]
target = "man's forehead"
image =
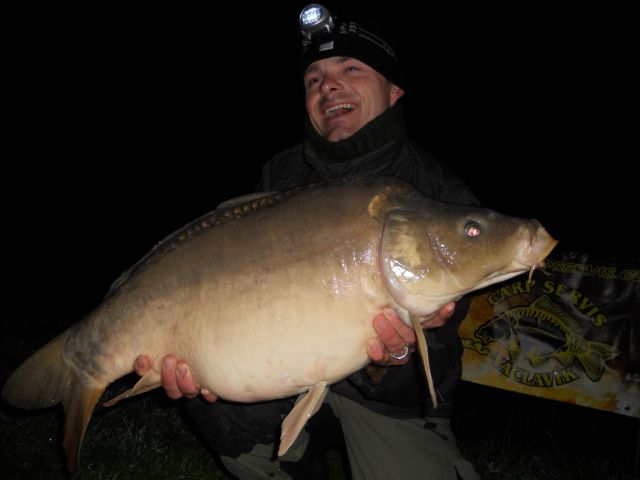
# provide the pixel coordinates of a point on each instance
(315, 66)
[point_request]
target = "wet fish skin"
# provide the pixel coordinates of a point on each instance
(275, 298)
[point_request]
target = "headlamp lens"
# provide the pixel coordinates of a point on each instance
(311, 15)
(313, 18)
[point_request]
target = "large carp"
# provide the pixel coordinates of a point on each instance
(276, 297)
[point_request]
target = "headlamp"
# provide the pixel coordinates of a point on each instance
(315, 18)
(325, 36)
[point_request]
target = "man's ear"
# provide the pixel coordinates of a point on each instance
(395, 94)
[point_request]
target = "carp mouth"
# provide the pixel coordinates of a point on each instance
(540, 246)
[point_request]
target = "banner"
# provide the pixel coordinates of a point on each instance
(572, 333)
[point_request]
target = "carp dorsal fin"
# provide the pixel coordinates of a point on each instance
(307, 404)
(237, 201)
(148, 381)
(424, 354)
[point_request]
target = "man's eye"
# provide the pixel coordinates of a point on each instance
(352, 68)
(311, 82)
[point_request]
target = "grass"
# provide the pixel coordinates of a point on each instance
(147, 438)
(512, 436)
(139, 439)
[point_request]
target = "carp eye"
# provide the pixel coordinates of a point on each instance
(472, 229)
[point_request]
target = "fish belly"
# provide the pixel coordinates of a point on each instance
(275, 346)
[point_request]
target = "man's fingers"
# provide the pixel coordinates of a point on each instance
(185, 381)
(168, 377)
(441, 317)
(402, 329)
(142, 364)
(392, 341)
(393, 337)
(376, 351)
(175, 377)
(208, 396)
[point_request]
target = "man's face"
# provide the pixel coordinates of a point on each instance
(343, 94)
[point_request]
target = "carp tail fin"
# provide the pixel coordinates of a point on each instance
(41, 380)
(44, 380)
(78, 403)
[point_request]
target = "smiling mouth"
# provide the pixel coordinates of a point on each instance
(338, 109)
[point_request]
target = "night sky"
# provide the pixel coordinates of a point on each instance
(123, 117)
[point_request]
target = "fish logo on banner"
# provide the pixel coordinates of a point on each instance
(541, 345)
(570, 333)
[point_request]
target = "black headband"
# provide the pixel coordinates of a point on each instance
(351, 39)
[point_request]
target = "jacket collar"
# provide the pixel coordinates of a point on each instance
(380, 133)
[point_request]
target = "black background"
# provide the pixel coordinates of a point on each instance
(126, 120)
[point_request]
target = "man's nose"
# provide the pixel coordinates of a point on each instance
(329, 84)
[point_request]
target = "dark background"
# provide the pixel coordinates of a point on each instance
(126, 120)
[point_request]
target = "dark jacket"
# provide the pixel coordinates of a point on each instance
(382, 148)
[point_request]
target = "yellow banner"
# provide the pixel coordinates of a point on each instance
(571, 334)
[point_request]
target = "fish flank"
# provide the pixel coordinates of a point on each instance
(84, 349)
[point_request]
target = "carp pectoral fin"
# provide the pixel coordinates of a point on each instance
(149, 381)
(424, 354)
(307, 404)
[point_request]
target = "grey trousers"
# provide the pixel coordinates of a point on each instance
(378, 447)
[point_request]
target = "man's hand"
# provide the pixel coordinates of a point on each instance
(176, 378)
(394, 334)
(439, 318)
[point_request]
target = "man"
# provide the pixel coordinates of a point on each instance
(354, 128)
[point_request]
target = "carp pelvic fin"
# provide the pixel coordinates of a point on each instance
(148, 381)
(306, 405)
(424, 354)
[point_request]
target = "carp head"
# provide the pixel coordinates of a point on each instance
(436, 254)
